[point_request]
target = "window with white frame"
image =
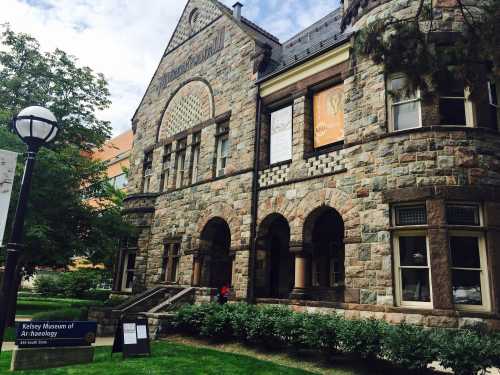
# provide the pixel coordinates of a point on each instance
(222, 152)
(195, 157)
(411, 258)
(404, 104)
(455, 107)
(180, 163)
(147, 172)
(468, 258)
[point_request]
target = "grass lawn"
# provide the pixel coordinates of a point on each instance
(168, 358)
(28, 306)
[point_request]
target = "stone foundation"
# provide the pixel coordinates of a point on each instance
(43, 358)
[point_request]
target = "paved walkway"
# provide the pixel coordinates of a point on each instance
(100, 341)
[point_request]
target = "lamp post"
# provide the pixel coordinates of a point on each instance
(36, 126)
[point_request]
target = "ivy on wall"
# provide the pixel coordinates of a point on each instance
(431, 58)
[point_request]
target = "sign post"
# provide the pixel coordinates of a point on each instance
(7, 172)
(132, 337)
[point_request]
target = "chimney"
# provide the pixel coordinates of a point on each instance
(237, 10)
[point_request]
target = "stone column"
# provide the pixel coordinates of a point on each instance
(197, 260)
(170, 263)
(442, 295)
(302, 270)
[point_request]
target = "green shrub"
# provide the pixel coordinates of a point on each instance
(241, 314)
(268, 327)
(49, 285)
(409, 347)
(191, 318)
(362, 337)
(321, 332)
(63, 314)
(217, 324)
(98, 294)
(464, 351)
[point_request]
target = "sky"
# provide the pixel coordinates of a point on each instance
(125, 39)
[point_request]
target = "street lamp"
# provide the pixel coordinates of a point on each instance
(36, 126)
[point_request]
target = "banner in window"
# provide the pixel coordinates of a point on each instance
(281, 135)
(7, 172)
(328, 108)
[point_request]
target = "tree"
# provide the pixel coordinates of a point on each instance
(60, 223)
(431, 58)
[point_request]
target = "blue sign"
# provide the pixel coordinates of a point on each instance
(36, 334)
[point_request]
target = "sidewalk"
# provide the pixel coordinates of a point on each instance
(100, 341)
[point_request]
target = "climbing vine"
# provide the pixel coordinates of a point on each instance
(431, 58)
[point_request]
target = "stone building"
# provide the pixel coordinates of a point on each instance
(287, 171)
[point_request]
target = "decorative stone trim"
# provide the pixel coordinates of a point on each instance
(274, 175)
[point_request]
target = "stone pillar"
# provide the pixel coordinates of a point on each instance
(442, 295)
(302, 270)
(197, 260)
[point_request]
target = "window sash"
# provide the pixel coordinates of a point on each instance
(222, 155)
(483, 270)
(194, 164)
(400, 101)
(398, 273)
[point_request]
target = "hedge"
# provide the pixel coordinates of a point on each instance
(408, 347)
(70, 314)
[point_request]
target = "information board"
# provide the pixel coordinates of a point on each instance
(132, 337)
(36, 334)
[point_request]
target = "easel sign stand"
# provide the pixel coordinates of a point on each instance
(132, 336)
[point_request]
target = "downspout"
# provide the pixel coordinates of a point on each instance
(255, 200)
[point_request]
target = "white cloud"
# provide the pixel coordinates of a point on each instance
(124, 39)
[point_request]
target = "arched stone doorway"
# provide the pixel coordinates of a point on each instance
(216, 264)
(274, 268)
(324, 237)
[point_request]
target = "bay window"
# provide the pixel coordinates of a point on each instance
(467, 248)
(411, 257)
(404, 105)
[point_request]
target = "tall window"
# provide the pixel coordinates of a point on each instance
(165, 173)
(147, 172)
(468, 257)
(455, 108)
(493, 102)
(328, 111)
(411, 258)
(171, 256)
(222, 155)
(180, 163)
(281, 135)
(195, 157)
(404, 105)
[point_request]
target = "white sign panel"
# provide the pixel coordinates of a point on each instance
(129, 334)
(281, 135)
(7, 172)
(142, 332)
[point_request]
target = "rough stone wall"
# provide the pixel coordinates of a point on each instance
(182, 213)
(372, 160)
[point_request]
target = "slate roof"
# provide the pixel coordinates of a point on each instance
(320, 36)
(251, 24)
